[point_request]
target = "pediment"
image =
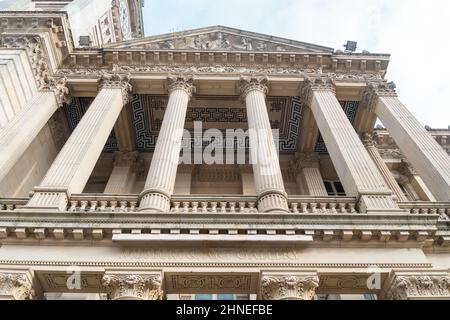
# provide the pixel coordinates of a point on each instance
(220, 39)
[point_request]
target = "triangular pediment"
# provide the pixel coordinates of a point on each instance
(220, 38)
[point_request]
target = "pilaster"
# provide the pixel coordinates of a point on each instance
(417, 285)
(309, 177)
(289, 285)
(266, 166)
(372, 149)
(123, 175)
(133, 286)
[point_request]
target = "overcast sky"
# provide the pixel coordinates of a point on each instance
(415, 32)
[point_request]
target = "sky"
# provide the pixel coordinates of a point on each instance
(415, 32)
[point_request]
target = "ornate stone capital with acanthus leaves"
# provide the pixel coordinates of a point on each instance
(182, 83)
(313, 84)
(289, 285)
(415, 285)
(16, 286)
(249, 84)
(375, 90)
(137, 286)
(115, 80)
(32, 44)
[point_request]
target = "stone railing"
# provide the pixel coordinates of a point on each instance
(440, 208)
(102, 203)
(12, 204)
(213, 204)
(325, 205)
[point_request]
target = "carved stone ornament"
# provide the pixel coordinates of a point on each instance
(289, 287)
(407, 287)
(368, 140)
(16, 285)
(313, 84)
(249, 84)
(182, 83)
(115, 79)
(133, 286)
(36, 55)
(375, 90)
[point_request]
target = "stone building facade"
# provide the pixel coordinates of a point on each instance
(94, 202)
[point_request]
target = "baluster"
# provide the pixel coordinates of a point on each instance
(242, 207)
(294, 207)
(333, 207)
(304, 207)
(223, 207)
(84, 205)
(313, 207)
(176, 207)
(103, 205)
(214, 207)
(133, 205)
(323, 207)
(252, 208)
(204, 207)
(123, 206)
(94, 205)
(232, 207)
(342, 208)
(194, 207)
(186, 207)
(73, 205)
(10, 207)
(113, 206)
(352, 207)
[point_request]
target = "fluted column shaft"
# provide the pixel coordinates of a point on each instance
(357, 172)
(72, 167)
(266, 166)
(383, 168)
(20, 132)
(160, 183)
(416, 143)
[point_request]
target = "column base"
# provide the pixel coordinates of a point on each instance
(378, 203)
(273, 202)
(154, 202)
(48, 200)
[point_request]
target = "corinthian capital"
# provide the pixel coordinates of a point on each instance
(122, 286)
(16, 286)
(115, 80)
(313, 84)
(59, 87)
(376, 89)
(417, 285)
(283, 286)
(249, 84)
(181, 83)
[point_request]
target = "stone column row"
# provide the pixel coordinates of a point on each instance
(72, 167)
(425, 154)
(357, 172)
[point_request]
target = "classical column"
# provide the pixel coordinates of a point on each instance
(133, 286)
(417, 285)
(289, 285)
(160, 183)
(266, 166)
(70, 171)
(17, 135)
(123, 176)
(372, 149)
(419, 147)
(309, 177)
(16, 285)
(357, 172)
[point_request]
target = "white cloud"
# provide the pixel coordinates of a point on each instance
(415, 32)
